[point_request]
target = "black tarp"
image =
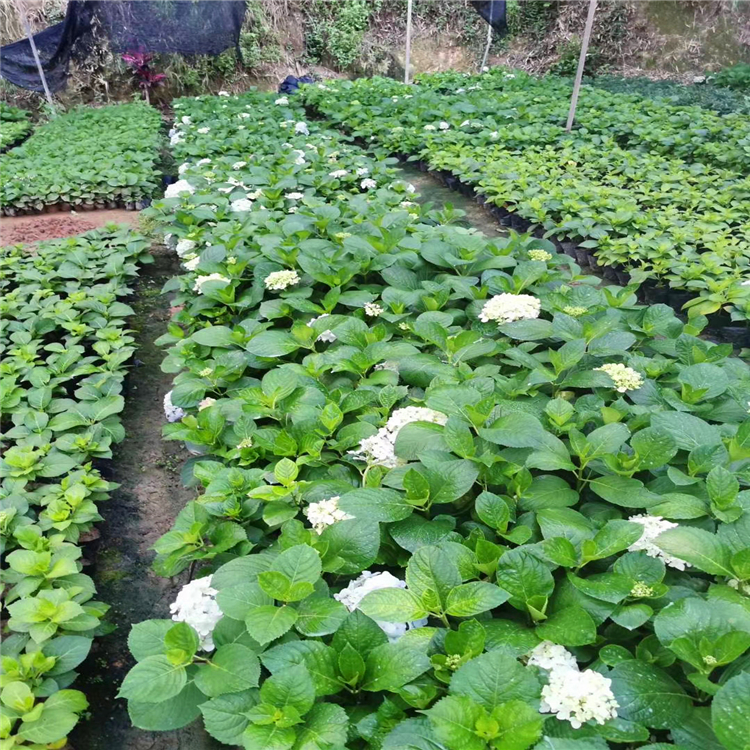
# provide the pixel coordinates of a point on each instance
(493, 11)
(187, 27)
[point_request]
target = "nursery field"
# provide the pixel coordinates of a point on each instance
(446, 490)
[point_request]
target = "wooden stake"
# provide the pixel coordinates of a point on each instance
(407, 65)
(581, 64)
(35, 52)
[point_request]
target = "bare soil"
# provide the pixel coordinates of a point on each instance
(28, 229)
(138, 513)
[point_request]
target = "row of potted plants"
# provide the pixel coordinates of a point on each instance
(683, 224)
(64, 346)
(455, 493)
(84, 159)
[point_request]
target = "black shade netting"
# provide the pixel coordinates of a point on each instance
(492, 11)
(187, 27)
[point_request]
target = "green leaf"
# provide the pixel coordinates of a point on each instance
(69, 651)
(453, 720)
(700, 548)
(224, 717)
(493, 510)
(524, 576)
(360, 632)
(319, 659)
(292, 574)
(570, 626)
(268, 737)
(430, 576)
(182, 637)
(520, 726)
(351, 546)
(272, 344)
(153, 680)
(376, 505)
(325, 726)
(647, 695)
(393, 605)
(390, 666)
(267, 623)
(232, 669)
(730, 713)
(175, 713)
(623, 491)
(471, 599)
(494, 678)
(689, 432)
(319, 615)
(292, 686)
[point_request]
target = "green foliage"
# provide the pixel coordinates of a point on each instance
(85, 156)
(651, 188)
(736, 77)
(64, 349)
(15, 125)
(569, 54)
(528, 17)
(334, 31)
(504, 512)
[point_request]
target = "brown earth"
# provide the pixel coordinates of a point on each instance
(27, 229)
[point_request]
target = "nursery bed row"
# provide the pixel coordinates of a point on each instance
(455, 492)
(683, 225)
(64, 348)
(88, 158)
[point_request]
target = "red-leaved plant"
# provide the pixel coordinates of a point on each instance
(140, 64)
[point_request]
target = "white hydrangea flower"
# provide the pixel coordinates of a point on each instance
(208, 401)
(579, 697)
(183, 168)
(465, 123)
(294, 196)
(254, 195)
(241, 204)
(338, 173)
(745, 283)
(625, 378)
(196, 605)
(494, 134)
(368, 184)
(244, 115)
(279, 280)
(327, 336)
(201, 280)
(203, 161)
(379, 449)
(539, 254)
(652, 527)
(325, 513)
(301, 127)
(373, 309)
(505, 308)
(245, 443)
(362, 171)
(176, 138)
(184, 247)
(548, 655)
(186, 120)
(282, 101)
(171, 412)
(239, 164)
(177, 188)
(203, 131)
(223, 93)
(357, 589)
(509, 75)
(192, 263)
(300, 156)
(443, 125)
(429, 127)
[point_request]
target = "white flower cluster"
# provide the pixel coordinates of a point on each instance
(192, 262)
(208, 401)
(185, 247)
(652, 527)
(362, 171)
(279, 280)
(572, 695)
(444, 125)
(338, 173)
(325, 513)
(203, 131)
(294, 196)
(378, 449)
(625, 378)
(171, 412)
(539, 254)
(201, 280)
(579, 697)
(357, 589)
(301, 127)
(373, 309)
(328, 336)
(368, 184)
(239, 164)
(196, 605)
(241, 204)
(505, 308)
(282, 101)
(177, 188)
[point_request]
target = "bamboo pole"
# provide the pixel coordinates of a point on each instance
(407, 61)
(487, 47)
(25, 21)
(581, 64)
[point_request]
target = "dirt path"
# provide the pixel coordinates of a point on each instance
(138, 513)
(14, 229)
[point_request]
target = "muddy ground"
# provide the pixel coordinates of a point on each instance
(138, 513)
